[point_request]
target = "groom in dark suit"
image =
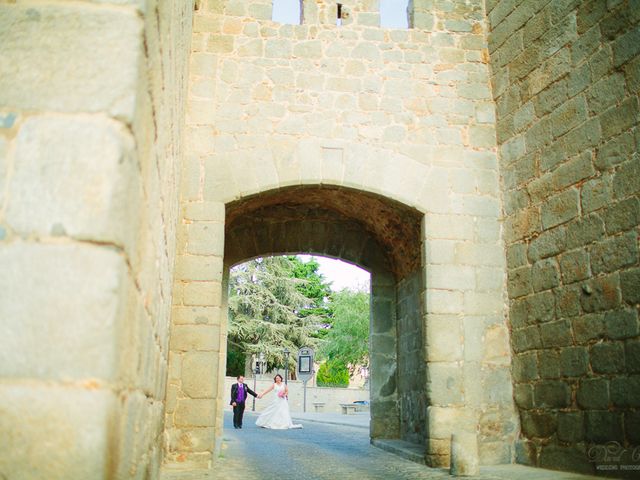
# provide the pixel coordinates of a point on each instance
(239, 394)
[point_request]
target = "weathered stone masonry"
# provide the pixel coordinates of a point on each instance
(405, 115)
(91, 108)
(566, 76)
(377, 146)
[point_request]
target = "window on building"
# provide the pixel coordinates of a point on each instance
(394, 14)
(287, 11)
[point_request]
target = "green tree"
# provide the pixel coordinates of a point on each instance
(316, 289)
(347, 341)
(265, 302)
(332, 374)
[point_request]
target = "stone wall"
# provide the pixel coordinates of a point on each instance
(566, 76)
(406, 115)
(91, 115)
(411, 376)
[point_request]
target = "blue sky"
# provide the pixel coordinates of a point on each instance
(393, 13)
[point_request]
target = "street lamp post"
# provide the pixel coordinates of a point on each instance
(257, 371)
(286, 364)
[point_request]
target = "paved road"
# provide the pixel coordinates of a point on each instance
(322, 451)
(316, 452)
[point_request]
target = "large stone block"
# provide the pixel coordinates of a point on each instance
(444, 301)
(552, 394)
(626, 180)
(523, 395)
(603, 427)
(574, 361)
(548, 243)
(191, 439)
(614, 253)
(548, 364)
(74, 176)
(444, 340)
(443, 421)
(80, 419)
(202, 293)
(497, 387)
(567, 301)
(195, 413)
(444, 384)
(525, 339)
(572, 458)
(556, 334)
(195, 337)
(619, 118)
(560, 208)
(541, 307)
(525, 367)
(622, 324)
(520, 282)
(601, 293)
(539, 424)
(574, 266)
(63, 320)
(199, 371)
(496, 345)
(196, 315)
(588, 327)
(607, 357)
(622, 216)
(625, 391)
(545, 275)
(570, 426)
(198, 267)
(54, 60)
(630, 285)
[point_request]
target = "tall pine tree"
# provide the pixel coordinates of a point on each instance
(269, 311)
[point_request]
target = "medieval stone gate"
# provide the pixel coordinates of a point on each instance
(348, 141)
(481, 164)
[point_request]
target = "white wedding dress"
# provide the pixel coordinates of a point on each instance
(276, 416)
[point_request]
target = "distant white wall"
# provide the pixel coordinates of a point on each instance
(332, 397)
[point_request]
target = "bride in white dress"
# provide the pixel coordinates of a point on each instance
(276, 416)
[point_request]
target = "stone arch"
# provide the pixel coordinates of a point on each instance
(456, 285)
(317, 161)
(381, 236)
(432, 313)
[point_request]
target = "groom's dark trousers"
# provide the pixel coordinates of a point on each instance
(239, 398)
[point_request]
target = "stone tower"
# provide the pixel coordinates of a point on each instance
(481, 164)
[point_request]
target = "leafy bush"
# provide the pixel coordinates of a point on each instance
(235, 362)
(333, 374)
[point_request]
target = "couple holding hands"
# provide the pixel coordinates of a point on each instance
(276, 416)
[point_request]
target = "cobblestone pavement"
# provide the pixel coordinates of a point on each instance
(326, 452)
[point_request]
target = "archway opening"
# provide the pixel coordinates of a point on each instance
(377, 234)
(315, 305)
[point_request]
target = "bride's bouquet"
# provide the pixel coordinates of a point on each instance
(281, 394)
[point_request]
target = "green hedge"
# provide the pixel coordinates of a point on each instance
(332, 374)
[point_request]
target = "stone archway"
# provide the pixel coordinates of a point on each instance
(440, 355)
(380, 236)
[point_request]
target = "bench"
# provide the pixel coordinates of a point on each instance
(318, 406)
(348, 408)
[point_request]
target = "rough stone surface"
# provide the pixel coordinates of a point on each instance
(84, 72)
(567, 125)
(91, 139)
(372, 145)
(485, 128)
